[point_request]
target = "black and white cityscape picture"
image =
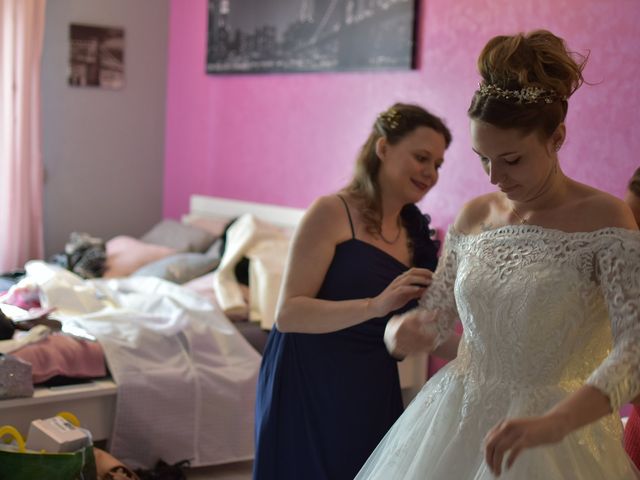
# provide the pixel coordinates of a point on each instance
(254, 36)
(96, 56)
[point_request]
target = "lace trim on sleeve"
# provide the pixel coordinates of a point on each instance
(440, 294)
(618, 272)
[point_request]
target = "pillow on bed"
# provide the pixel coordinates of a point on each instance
(180, 237)
(179, 268)
(214, 225)
(63, 355)
(125, 255)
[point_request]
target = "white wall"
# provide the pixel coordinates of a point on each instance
(103, 150)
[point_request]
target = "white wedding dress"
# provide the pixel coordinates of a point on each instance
(544, 313)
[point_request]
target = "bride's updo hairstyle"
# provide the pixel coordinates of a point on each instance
(526, 82)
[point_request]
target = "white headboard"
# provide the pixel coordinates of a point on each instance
(227, 208)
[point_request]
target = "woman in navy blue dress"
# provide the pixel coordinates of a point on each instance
(328, 390)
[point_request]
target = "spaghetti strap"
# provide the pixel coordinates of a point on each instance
(353, 233)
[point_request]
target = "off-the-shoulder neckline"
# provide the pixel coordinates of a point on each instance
(526, 228)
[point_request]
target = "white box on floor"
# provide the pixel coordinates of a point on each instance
(56, 435)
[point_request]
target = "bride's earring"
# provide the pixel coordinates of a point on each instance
(556, 148)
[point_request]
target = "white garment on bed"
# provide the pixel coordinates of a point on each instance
(266, 268)
(540, 309)
(186, 378)
(266, 247)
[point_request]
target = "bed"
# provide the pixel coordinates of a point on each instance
(98, 403)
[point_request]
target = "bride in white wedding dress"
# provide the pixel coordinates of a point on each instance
(545, 277)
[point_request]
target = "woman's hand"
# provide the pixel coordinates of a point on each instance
(514, 435)
(405, 287)
(413, 331)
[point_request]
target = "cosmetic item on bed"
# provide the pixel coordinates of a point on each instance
(15, 377)
(56, 435)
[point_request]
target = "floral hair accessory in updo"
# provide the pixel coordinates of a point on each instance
(390, 120)
(524, 95)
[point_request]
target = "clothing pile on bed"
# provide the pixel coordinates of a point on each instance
(53, 356)
(186, 378)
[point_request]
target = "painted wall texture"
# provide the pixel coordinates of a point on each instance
(103, 150)
(288, 138)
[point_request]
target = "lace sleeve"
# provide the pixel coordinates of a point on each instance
(440, 294)
(618, 271)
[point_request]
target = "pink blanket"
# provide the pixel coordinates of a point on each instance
(63, 355)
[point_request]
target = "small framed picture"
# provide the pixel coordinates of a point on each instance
(96, 56)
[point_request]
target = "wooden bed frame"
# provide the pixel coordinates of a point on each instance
(94, 402)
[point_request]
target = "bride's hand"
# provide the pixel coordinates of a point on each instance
(514, 435)
(413, 331)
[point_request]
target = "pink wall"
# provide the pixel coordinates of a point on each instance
(286, 139)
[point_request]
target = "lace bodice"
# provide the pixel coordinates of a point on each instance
(543, 307)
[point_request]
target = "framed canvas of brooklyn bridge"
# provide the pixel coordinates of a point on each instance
(258, 36)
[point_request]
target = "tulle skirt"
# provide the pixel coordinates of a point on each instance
(440, 436)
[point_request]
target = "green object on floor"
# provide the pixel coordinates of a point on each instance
(80, 465)
(21, 464)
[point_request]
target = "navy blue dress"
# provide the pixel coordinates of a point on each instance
(325, 401)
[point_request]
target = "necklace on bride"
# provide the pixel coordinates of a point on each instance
(395, 239)
(523, 220)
